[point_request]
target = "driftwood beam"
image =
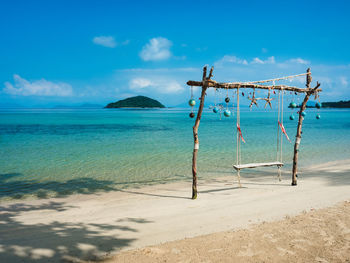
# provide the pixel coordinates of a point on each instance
(211, 73)
(214, 84)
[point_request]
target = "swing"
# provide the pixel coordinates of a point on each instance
(207, 82)
(280, 129)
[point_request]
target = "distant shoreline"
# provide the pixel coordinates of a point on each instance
(329, 105)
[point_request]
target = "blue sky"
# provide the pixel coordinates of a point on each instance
(73, 52)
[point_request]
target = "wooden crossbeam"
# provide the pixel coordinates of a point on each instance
(240, 85)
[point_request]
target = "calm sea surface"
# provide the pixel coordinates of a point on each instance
(46, 152)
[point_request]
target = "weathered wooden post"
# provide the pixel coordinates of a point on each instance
(300, 124)
(195, 130)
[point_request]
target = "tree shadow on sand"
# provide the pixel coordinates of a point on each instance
(14, 186)
(57, 241)
(19, 188)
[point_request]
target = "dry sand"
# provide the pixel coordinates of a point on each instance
(317, 236)
(92, 227)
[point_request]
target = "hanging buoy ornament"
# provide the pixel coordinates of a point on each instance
(191, 115)
(227, 99)
(215, 109)
(318, 105)
(192, 102)
(318, 116)
(303, 113)
(291, 117)
(227, 113)
(292, 105)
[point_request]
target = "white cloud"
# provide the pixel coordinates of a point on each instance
(257, 61)
(333, 78)
(156, 49)
(343, 81)
(164, 86)
(140, 83)
(106, 41)
(299, 61)
(269, 60)
(230, 59)
(41, 87)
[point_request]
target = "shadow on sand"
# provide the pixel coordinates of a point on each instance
(15, 186)
(56, 241)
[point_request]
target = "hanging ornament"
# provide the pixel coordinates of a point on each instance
(192, 102)
(243, 94)
(291, 117)
(292, 105)
(268, 100)
(215, 109)
(227, 99)
(318, 106)
(303, 113)
(227, 113)
(253, 100)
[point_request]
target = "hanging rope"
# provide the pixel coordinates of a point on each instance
(278, 119)
(216, 91)
(238, 125)
(281, 133)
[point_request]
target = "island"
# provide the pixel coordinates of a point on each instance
(338, 104)
(334, 104)
(136, 102)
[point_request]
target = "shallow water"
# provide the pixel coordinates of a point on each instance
(46, 152)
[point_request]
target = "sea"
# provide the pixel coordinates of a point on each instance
(58, 152)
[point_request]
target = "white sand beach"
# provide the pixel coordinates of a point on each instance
(96, 226)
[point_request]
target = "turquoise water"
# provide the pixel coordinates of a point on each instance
(46, 152)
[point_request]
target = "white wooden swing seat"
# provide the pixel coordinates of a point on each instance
(254, 165)
(239, 167)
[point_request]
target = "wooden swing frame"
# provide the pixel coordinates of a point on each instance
(207, 82)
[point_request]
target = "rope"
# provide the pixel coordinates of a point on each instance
(277, 79)
(278, 119)
(238, 157)
(281, 133)
(216, 91)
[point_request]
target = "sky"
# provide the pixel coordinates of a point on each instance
(76, 52)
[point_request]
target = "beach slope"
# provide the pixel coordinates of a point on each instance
(95, 226)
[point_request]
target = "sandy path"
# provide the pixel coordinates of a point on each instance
(93, 226)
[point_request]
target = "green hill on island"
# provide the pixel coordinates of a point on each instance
(334, 104)
(338, 104)
(136, 102)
